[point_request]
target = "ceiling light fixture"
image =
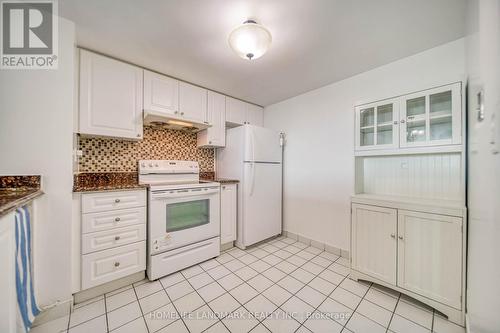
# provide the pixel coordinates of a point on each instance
(250, 40)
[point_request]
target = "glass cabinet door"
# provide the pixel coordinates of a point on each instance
(376, 126)
(432, 117)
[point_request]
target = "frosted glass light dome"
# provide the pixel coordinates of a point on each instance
(250, 40)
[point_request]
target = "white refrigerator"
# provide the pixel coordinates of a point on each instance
(253, 155)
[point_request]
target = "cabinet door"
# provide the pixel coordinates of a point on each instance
(430, 256)
(9, 309)
(228, 199)
(193, 102)
(373, 241)
(235, 111)
(254, 115)
(214, 136)
(432, 117)
(377, 125)
(161, 93)
(110, 97)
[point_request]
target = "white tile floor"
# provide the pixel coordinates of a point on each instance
(279, 286)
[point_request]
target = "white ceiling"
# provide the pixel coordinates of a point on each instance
(315, 42)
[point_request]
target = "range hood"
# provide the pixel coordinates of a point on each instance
(168, 121)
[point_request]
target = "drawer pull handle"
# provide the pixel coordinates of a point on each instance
(117, 238)
(117, 264)
(400, 237)
(117, 219)
(117, 200)
(393, 235)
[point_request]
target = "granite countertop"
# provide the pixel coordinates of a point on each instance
(210, 176)
(17, 191)
(106, 181)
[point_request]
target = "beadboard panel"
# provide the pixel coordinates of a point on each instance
(418, 176)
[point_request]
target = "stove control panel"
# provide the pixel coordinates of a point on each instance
(160, 243)
(168, 167)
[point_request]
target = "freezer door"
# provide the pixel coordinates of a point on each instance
(261, 202)
(261, 144)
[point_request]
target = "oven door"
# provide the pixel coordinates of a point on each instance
(182, 217)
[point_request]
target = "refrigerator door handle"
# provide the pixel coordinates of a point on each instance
(252, 183)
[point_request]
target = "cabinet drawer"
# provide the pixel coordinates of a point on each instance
(104, 266)
(93, 222)
(100, 202)
(108, 239)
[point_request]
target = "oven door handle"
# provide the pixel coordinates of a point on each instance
(184, 193)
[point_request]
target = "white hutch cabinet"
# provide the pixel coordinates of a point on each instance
(408, 223)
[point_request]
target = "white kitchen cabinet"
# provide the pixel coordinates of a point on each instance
(108, 265)
(110, 97)
(193, 103)
(235, 111)
(8, 310)
(430, 256)
(228, 200)
(432, 117)
(161, 93)
(214, 136)
(426, 119)
(113, 234)
(373, 231)
(254, 115)
(377, 125)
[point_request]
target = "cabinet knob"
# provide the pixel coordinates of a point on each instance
(117, 264)
(403, 121)
(117, 238)
(176, 112)
(395, 122)
(182, 113)
(223, 187)
(209, 142)
(400, 237)
(393, 235)
(138, 135)
(117, 219)
(117, 200)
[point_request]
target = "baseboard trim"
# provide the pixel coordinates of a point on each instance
(58, 310)
(320, 245)
(226, 246)
(102, 289)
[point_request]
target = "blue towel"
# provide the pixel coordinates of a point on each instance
(28, 308)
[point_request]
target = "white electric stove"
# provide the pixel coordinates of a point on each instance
(183, 216)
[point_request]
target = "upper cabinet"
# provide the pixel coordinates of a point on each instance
(240, 113)
(214, 136)
(235, 111)
(110, 97)
(161, 93)
(254, 115)
(193, 103)
(377, 125)
(427, 118)
(431, 117)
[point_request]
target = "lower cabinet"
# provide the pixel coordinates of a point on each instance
(374, 241)
(228, 216)
(113, 240)
(414, 251)
(430, 255)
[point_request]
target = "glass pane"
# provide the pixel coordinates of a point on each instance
(384, 114)
(415, 131)
(440, 104)
(367, 136)
(185, 215)
(384, 134)
(367, 117)
(415, 106)
(440, 128)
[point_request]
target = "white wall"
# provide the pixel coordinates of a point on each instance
(318, 161)
(483, 64)
(36, 125)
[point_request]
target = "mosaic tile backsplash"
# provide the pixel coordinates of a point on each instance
(110, 155)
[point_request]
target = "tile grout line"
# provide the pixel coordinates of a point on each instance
(393, 313)
(140, 307)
